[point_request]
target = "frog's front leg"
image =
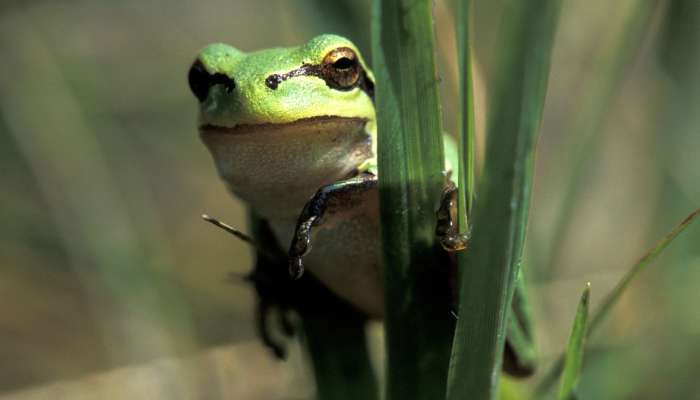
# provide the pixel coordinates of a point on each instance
(446, 228)
(338, 194)
(278, 296)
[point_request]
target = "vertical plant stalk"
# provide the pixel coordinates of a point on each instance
(574, 350)
(418, 324)
(500, 215)
(467, 122)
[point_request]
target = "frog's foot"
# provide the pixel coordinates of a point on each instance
(264, 329)
(301, 243)
(338, 196)
(447, 229)
(273, 291)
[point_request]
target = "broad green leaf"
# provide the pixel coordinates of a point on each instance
(574, 350)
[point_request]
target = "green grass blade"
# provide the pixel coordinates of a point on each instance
(500, 215)
(418, 324)
(574, 350)
(467, 142)
(611, 299)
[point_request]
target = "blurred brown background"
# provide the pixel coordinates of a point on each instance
(112, 287)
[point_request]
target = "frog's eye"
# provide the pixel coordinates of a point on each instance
(200, 81)
(341, 68)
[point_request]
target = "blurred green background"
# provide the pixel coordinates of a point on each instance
(112, 287)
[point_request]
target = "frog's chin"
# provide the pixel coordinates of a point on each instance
(319, 124)
(276, 168)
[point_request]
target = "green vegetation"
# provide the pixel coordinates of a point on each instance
(490, 268)
(106, 264)
(417, 321)
(574, 350)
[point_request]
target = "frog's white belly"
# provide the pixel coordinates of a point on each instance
(276, 168)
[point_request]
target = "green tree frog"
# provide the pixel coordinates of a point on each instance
(292, 132)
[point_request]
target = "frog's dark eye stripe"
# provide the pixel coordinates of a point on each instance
(340, 69)
(200, 81)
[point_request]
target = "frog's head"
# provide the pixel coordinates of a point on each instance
(325, 77)
(275, 117)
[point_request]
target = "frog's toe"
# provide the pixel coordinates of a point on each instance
(454, 242)
(301, 245)
(286, 323)
(296, 267)
(278, 349)
(446, 229)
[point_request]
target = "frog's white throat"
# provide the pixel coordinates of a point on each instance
(276, 168)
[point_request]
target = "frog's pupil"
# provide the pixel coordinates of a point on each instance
(344, 63)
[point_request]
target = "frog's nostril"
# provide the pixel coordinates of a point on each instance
(200, 80)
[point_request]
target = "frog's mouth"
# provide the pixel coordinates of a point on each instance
(319, 124)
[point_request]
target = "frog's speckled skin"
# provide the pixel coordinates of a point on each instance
(253, 102)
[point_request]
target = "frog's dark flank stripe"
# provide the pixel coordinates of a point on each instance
(322, 71)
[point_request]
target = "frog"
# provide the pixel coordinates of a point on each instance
(293, 134)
